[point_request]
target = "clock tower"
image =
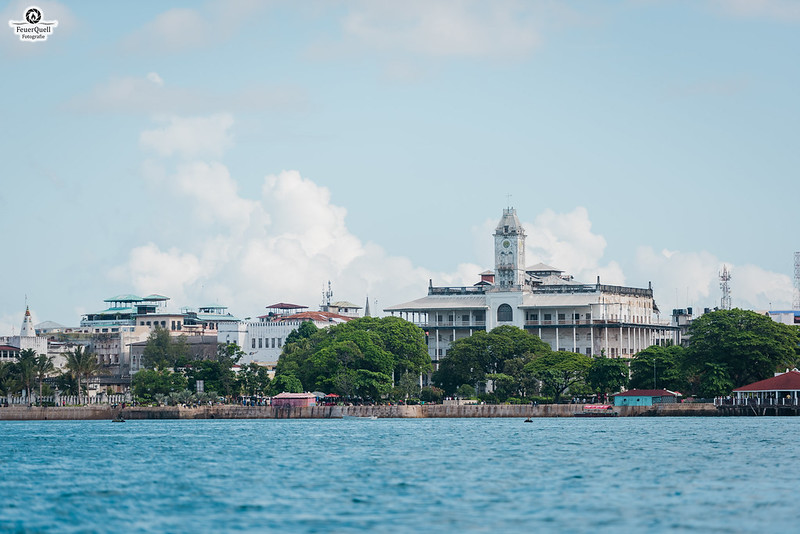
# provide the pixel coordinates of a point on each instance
(509, 251)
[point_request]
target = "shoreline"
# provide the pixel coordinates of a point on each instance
(427, 411)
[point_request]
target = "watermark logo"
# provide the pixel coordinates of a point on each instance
(33, 28)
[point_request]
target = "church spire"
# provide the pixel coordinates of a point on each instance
(366, 308)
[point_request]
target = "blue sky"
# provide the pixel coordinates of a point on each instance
(245, 153)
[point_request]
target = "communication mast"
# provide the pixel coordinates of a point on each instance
(796, 303)
(724, 278)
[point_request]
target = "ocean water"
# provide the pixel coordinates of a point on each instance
(395, 475)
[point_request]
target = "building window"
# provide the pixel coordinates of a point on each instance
(173, 325)
(254, 343)
(548, 317)
(280, 342)
(505, 314)
(465, 318)
(273, 342)
(439, 318)
(259, 343)
(533, 316)
(577, 316)
(588, 351)
(562, 317)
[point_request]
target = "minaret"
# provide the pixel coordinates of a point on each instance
(509, 251)
(366, 308)
(27, 325)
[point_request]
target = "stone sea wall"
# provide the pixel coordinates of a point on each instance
(26, 413)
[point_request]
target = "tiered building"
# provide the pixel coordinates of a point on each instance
(591, 319)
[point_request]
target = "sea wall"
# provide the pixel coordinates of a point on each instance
(27, 413)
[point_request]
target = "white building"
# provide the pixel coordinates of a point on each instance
(262, 340)
(27, 338)
(591, 319)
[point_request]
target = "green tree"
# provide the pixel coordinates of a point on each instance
(559, 370)
(469, 360)
(164, 351)
(607, 375)
(465, 391)
(357, 358)
(748, 346)
(8, 380)
(253, 379)
(407, 386)
(304, 331)
(285, 383)
(148, 383)
(44, 367)
(26, 369)
(658, 367)
(81, 364)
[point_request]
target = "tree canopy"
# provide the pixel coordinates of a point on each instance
(164, 351)
(472, 360)
(741, 345)
(559, 370)
(358, 358)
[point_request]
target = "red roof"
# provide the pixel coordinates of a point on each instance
(318, 316)
(646, 393)
(287, 395)
(783, 382)
(285, 306)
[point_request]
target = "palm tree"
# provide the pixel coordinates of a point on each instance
(81, 364)
(44, 366)
(26, 369)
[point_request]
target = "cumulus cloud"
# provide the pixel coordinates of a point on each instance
(443, 28)
(692, 279)
(566, 241)
(189, 137)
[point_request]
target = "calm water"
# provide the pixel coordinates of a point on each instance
(451, 475)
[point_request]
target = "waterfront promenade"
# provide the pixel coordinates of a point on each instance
(222, 411)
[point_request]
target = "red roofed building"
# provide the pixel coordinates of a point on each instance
(294, 399)
(783, 388)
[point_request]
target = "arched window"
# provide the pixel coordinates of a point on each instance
(504, 314)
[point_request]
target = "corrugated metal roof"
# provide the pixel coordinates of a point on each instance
(124, 298)
(646, 393)
(442, 302)
(784, 382)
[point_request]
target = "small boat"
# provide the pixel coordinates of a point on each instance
(528, 420)
(118, 419)
(597, 410)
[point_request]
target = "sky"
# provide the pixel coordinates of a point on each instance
(244, 153)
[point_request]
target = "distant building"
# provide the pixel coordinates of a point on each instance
(645, 397)
(781, 388)
(790, 317)
(27, 338)
(263, 340)
(591, 319)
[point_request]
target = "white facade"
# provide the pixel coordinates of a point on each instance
(591, 319)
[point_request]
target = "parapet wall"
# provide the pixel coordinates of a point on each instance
(26, 413)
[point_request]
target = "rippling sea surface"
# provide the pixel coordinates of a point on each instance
(401, 475)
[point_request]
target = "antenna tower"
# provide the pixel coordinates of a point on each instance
(796, 302)
(724, 278)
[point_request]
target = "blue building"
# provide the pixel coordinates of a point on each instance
(645, 397)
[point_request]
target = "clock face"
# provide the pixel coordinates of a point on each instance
(506, 243)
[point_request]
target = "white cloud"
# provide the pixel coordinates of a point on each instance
(685, 279)
(444, 28)
(189, 137)
(182, 29)
(566, 241)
